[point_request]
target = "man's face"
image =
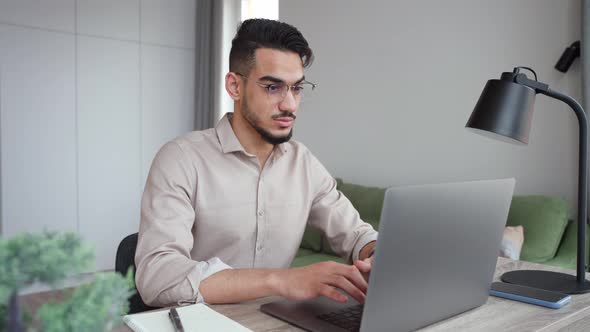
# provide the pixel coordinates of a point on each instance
(272, 117)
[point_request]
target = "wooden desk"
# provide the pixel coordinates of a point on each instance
(499, 314)
(496, 315)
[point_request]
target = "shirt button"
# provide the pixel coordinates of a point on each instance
(260, 213)
(259, 248)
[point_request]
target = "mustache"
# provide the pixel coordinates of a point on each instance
(284, 114)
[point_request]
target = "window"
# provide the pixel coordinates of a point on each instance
(249, 9)
(260, 9)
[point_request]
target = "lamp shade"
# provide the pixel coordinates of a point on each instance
(504, 108)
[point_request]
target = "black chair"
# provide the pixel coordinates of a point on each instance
(125, 259)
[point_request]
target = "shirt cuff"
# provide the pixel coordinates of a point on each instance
(204, 270)
(361, 243)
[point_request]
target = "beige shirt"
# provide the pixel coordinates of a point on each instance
(207, 206)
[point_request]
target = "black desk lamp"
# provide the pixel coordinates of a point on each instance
(504, 110)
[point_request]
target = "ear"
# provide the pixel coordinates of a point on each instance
(232, 86)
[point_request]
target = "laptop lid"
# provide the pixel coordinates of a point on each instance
(435, 258)
(436, 253)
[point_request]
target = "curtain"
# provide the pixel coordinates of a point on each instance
(204, 111)
(216, 24)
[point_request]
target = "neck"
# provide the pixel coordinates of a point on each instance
(250, 139)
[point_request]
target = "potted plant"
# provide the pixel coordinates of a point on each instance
(49, 258)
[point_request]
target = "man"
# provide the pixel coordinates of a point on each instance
(224, 209)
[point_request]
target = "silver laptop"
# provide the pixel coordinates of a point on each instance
(435, 258)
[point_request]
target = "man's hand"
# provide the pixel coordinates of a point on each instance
(321, 279)
(365, 260)
(364, 266)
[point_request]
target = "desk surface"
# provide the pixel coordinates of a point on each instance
(496, 315)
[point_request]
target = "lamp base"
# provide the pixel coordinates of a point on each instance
(552, 281)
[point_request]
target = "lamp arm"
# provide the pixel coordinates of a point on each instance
(539, 87)
(582, 177)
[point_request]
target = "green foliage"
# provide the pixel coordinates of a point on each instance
(3, 313)
(95, 307)
(4, 296)
(27, 317)
(47, 257)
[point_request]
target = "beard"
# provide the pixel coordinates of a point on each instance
(266, 135)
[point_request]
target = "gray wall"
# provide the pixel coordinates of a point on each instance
(89, 90)
(397, 80)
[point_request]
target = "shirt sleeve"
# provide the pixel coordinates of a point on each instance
(166, 274)
(335, 216)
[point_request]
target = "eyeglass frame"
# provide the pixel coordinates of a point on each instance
(281, 82)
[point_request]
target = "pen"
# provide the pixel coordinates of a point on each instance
(175, 319)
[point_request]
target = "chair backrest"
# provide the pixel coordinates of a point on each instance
(125, 259)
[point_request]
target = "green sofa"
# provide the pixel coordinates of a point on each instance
(549, 235)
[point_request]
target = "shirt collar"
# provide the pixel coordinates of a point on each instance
(227, 138)
(230, 143)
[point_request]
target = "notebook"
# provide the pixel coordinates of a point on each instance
(195, 317)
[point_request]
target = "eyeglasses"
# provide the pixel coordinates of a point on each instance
(278, 91)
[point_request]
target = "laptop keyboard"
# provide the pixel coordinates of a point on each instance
(348, 318)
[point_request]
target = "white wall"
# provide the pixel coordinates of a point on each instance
(89, 90)
(397, 81)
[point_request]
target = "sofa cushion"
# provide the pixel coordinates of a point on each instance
(304, 252)
(368, 201)
(312, 239)
(566, 256)
(544, 220)
(314, 258)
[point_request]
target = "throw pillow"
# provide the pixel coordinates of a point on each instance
(544, 220)
(312, 239)
(512, 242)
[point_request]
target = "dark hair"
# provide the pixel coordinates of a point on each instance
(262, 33)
